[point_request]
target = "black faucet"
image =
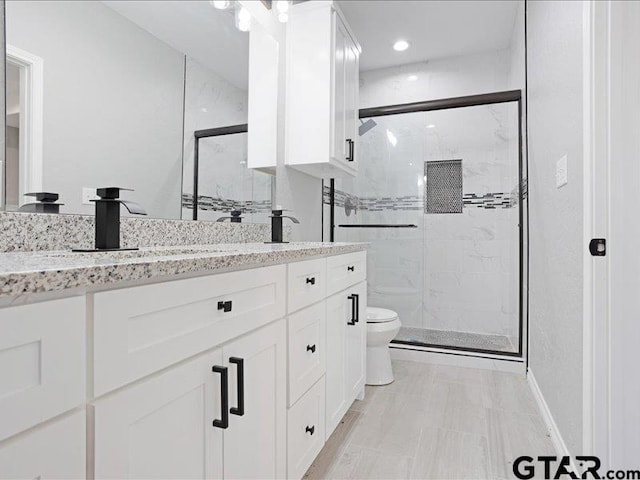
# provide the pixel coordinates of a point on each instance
(45, 203)
(234, 218)
(276, 225)
(108, 218)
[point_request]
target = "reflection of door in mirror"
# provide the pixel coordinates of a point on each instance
(23, 154)
(127, 84)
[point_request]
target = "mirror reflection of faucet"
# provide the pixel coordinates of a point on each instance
(45, 203)
(107, 219)
(276, 225)
(234, 218)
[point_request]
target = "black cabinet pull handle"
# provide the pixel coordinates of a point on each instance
(310, 429)
(225, 306)
(311, 348)
(357, 297)
(239, 410)
(224, 396)
(311, 280)
(351, 145)
(353, 320)
(351, 268)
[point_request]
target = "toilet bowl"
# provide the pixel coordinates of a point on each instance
(382, 326)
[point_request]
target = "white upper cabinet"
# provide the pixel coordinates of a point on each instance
(322, 91)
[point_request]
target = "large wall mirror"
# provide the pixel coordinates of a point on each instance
(112, 93)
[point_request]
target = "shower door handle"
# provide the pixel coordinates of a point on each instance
(351, 146)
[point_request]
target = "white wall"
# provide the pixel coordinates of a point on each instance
(113, 103)
(442, 78)
(555, 73)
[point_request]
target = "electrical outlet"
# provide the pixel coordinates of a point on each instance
(562, 177)
(88, 194)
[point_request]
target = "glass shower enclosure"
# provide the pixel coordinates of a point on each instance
(439, 197)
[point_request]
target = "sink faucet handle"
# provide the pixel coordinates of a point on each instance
(111, 193)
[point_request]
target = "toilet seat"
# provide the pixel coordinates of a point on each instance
(380, 315)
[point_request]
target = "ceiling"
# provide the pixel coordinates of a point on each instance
(195, 28)
(434, 29)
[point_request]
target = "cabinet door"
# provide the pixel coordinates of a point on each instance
(351, 99)
(255, 442)
(339, 146)
(356, 344)
(336, 376)
(162, 427)
(55, 450)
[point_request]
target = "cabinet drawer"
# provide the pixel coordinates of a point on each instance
(346, 270)
(140, 330)
(42, 362)
(307, 283)
(305, 431)
(55, 450)
(307, 352)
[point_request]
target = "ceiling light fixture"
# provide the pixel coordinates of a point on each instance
(243, 19)
(282, 6)
(412, 78)
(401, 45)
(392, 138)
(431, 125)
(221, 4)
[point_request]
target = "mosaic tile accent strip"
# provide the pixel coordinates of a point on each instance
(218, 204)
(33, 232)
(489, 201)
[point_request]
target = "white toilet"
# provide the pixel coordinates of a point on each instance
(382, 326)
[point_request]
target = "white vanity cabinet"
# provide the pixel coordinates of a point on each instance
(241, 374)
(346, 340)
(203, 418)
(322, 91)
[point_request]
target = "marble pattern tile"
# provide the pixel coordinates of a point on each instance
(436, 422)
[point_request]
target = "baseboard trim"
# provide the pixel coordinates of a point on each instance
(556, 436)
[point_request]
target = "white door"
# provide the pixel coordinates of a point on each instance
(338, 312)
(352, 88)
(255, 442)
(356, 342)
(339, 145)
(625, 234)
(163, 427)
(613, 179)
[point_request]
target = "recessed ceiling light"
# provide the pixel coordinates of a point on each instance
(220, 4)
(412, 78)
(401, 45)
(431, 126)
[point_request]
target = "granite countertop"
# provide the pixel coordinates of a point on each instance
(49, 271)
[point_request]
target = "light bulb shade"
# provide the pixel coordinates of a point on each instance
(282, 6)
(221, 4)
(243, 18)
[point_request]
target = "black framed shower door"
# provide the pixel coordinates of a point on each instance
(405, 229)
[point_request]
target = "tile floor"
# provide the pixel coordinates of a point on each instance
(429, 336)
(436, 422)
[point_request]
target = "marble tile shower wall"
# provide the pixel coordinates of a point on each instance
(454, 271)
